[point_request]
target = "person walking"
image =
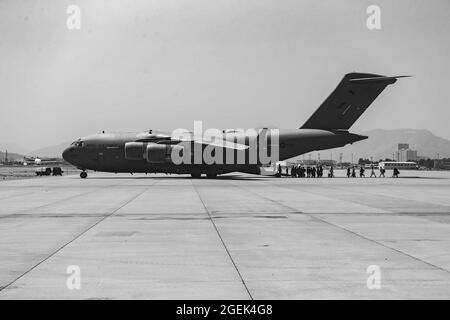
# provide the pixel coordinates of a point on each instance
(395, 173)
(302, 171)
(331, 173)
(361, 172)
(293, 171)
(372, 174)
(348, 172)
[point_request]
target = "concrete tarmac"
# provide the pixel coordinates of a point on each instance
(235, 237)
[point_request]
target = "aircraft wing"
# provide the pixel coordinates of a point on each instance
(167, 139)
(221, 144)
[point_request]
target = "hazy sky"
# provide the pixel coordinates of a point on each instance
(161, 64)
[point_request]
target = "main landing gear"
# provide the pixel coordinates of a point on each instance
(83, 175)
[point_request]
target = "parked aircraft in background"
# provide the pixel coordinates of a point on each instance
(40, 160)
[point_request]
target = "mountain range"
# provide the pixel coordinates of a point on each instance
(11, 156)
(50, 151)
(381, 144)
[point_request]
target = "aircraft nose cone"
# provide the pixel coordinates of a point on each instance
(65, 155)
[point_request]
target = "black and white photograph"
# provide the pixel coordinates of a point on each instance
(224, 155)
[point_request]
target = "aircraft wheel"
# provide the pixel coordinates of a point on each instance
(212, 175)
(83, 175)
(196, 175)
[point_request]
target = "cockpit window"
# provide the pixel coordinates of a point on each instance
(77, 143)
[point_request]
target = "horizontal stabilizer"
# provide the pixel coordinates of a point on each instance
(376, 79)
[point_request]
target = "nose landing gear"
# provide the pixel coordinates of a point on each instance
(83, 175)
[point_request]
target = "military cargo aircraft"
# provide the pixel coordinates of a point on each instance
(152, 151)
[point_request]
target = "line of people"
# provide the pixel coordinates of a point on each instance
(351, 172)
(299, 171)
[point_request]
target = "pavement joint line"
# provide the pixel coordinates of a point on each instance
(60, 200)
(421, 215)
(313, 216)
(223, 242)
(51, 203)
(19, 195)
(77, 236)
(378, 194)
(388, 212)
(325, 196)
(381, 244)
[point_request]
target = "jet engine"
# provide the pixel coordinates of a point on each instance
(161, 153)
(134, 150)
(152, 152)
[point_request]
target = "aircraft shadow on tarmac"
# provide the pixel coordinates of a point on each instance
(424, 178)
(227, 177)
(237, 177)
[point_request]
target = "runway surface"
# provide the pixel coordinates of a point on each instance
(236, 237)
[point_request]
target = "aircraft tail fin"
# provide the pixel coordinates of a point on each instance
(348, 101)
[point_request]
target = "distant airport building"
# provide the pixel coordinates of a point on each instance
(328, 163)
(408, 155)
(370, 165)
(404, 153)
(389, 165)
(441, 164)
(323, 162)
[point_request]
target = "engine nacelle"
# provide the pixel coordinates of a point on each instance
(134, 150)
(161, 153)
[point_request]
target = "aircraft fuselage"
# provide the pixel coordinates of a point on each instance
(106, 152)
